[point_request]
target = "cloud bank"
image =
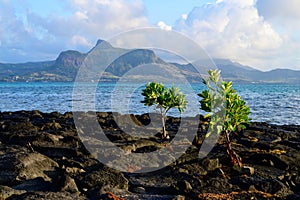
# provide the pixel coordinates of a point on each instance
(34, 37)
(258, 33)
(232, 29)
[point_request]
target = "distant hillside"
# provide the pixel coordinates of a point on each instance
(23, 71)
(65, 68)
(236, 72)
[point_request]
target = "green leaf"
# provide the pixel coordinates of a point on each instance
(164, 98)
(237, 111)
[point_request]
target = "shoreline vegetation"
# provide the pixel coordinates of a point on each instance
(42, 157)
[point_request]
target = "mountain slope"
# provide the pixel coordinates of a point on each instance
(67, 63)
(22, 71)
(65, 67)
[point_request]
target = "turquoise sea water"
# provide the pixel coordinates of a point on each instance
(273, 103)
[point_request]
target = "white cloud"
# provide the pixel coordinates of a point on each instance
(164, 26)
(259, 33)
(279, 9)
(184, 16)
(40, 38)
(80, 2)
(13, 34)
(107, 17)
(233, 29)
(81, 15)
(80, 40)
(285, 17)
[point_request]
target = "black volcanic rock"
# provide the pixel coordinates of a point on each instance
(42, 157)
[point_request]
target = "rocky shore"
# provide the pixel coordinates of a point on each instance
(43, 157)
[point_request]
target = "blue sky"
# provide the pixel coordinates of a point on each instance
(262, 34)
(170, 10)
(156, 10)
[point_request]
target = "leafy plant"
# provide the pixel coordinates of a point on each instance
(224, 105)
(164, 99)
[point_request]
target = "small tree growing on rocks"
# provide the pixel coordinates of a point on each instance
(164, 99)
(235, 114)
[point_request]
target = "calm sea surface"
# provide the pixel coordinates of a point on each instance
(276, 104)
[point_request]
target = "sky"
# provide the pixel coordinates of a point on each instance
(263, 34)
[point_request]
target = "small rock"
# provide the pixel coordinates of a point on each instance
(272, 160)
(103, 180)
(103, 115)
(281, 177)
(273, 186)
(181, 170)
(52, 125)
(68, 115)
(211, 164)
(69, 185)
(219, 184)
(139, 190)
(6, 192)
(184, 186)
(244, 170)
(179, 197)
(56, 125)
(252, 188)
(74, 170)
(36, 113)
(48, 196)
(248, 170)
(37, 184)
(54, 138)
(19, 164)
(278, 139)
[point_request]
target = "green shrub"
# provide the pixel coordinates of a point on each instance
(164, 99)
(224, 105)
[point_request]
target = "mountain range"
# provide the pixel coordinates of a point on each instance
(67, 64)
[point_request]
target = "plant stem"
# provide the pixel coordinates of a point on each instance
(164, 127)
(235, 159)
(163, 120)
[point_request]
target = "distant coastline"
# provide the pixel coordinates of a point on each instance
(67, 64)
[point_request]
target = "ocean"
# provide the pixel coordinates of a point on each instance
(272, 103)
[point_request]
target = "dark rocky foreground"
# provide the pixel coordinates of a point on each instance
(42, 157)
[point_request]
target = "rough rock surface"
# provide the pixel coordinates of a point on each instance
(43, 157)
